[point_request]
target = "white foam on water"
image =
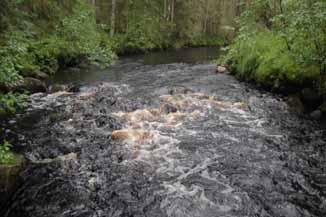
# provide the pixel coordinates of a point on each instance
(184, 195)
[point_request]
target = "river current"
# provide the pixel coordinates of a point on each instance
(163, 135)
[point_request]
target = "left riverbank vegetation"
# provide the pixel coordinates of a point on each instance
(40, 37)
(6, 155)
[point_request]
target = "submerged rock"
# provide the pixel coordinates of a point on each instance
(316, 115)
(40, 75)
(29, 84)
(32, 85)
(136, 135)
(168, 108)
(310, 97)
(322, 108)
(36, 74)
(72, 157)
(179, 90)
(73, 70)
(295, 104)
(57, 88)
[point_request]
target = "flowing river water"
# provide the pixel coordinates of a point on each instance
(163, 135)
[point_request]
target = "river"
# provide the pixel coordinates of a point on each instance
(163, 135)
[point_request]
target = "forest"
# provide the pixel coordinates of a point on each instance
(275, 47)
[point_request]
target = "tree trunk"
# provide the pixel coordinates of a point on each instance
(172, 10)
(206, 17)
(127, 16)
(164, 9)
(113, 17)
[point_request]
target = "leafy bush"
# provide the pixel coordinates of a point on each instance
(280, 48)
(265, 58)
(10, 103)
(202, 40)
(54, 40)
(83, 36)
(6, 156)
(144, 34)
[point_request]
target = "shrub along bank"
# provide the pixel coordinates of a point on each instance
(281, 46)
(37, 38)
(40, 37)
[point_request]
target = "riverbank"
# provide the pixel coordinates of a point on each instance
(41, 38)
(304, 100)
(284, 52)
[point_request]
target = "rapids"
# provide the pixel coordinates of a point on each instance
(165, 139)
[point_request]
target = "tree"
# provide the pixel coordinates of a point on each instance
(113, 17)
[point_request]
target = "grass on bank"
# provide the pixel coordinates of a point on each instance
(265, 59)
(7, 157)
(282, 48)
(44, 36)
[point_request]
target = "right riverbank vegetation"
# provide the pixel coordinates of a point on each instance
(281, 45)
(278, 44)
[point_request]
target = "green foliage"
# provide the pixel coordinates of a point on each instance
(83, 37)
(149, 25)
(6, 156)
(52, 34)
(305, 31)
(144, 34)
(15, 57)
(207, 41)
(10, 103)
(281, 45)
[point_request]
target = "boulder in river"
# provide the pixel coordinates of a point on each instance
(316, 115)
(57, 88)
(167, 108)
(37, 74)
(295, 104)
(128, 134)
(322, 108)
(73, 70)
(179, 90)
(63, 159)
(310, 97)
(32, 85)
(41, 75)
(9, 175)
(221, 70)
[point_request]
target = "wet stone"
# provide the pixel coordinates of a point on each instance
(9, 178)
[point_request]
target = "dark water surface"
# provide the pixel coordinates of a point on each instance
(184, 55)
(162, 135)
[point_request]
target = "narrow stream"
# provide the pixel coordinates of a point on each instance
(162, 135)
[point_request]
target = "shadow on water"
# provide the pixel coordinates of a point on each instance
(163, 135)
(184, 55)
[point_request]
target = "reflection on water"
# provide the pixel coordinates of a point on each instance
(187, 55)
(116, 71)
